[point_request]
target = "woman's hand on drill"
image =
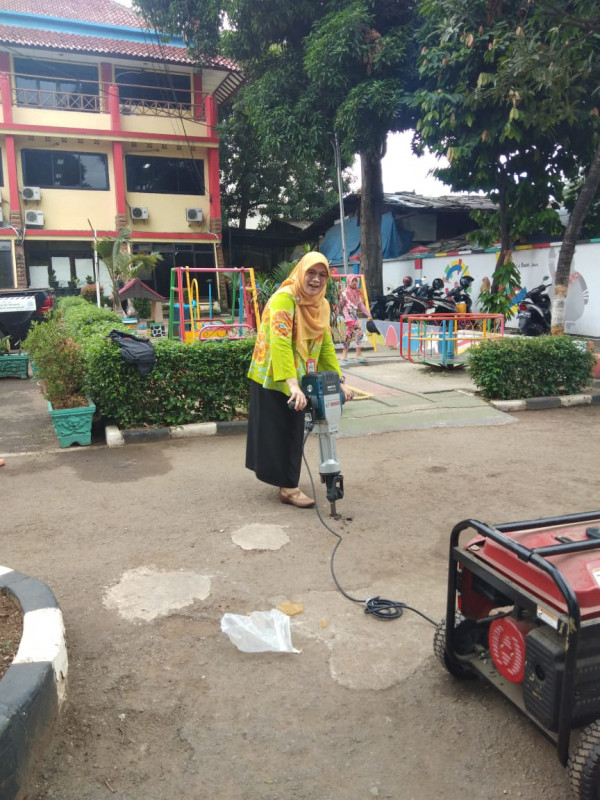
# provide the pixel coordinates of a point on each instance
(348, 393)
(297, 400)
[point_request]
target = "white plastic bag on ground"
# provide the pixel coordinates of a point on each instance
(261, 632)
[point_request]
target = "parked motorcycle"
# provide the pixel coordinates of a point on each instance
(381, 306)
(389, 306)
(442, 303)
(399, 298)
(429, 299)
(460, 294)
(419, 300)
(534, 315)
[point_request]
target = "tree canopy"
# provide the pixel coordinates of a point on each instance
(256, 184)
(509, 94)
(314, 69)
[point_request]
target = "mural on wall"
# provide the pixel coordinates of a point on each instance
(534, 266)
(455, 271)
(578, 295)
(534, 263)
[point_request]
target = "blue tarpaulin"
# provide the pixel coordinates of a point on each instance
(393, 242)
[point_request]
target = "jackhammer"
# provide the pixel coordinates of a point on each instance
(323, 414)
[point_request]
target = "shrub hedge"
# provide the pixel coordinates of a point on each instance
(189, 382)
(543, 366)
(195, 382)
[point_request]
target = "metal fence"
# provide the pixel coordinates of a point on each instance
(444, 339)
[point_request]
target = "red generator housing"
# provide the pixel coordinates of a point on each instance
(523, 613)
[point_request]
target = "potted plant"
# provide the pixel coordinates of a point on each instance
(60, 367)
(12, 365)
(52, 279)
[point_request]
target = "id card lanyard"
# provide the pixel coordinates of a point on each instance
(311, 363)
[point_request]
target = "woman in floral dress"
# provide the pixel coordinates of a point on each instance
(294, 339)
(351, 304)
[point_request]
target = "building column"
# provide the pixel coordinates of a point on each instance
(215, 228)
(19, 251)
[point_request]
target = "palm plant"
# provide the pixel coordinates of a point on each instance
(121, 264)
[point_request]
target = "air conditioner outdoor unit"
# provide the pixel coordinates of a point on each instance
(139, 212)
(34, 218)
(193, 214)
(31, 193)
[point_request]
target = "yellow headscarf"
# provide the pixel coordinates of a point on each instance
(312, 313)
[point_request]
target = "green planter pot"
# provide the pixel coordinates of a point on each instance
(73, 425)
(14, 365)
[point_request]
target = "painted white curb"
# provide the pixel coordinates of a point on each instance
(193, 429)
(114, 437)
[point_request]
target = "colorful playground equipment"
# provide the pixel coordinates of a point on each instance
(444, 339)
(186, 320)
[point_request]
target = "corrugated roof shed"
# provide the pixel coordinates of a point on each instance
(448, 202)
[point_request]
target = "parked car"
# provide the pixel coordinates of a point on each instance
(19, 308)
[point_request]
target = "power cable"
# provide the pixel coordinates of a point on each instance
(378, 607)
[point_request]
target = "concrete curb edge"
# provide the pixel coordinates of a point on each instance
(117, 438)
(33, 688)
(534, 403)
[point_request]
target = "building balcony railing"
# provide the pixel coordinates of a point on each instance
(55, 99)
(37, 91)
(159, 108)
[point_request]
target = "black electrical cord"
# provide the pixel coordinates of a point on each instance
(378, 607)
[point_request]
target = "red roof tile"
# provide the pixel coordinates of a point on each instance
(51, 40)
(105, 12)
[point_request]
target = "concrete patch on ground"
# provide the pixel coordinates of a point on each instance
(259, 536)
(145, 593)
(391, 650)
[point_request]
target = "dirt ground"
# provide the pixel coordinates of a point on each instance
(164, 706)
(11, 628)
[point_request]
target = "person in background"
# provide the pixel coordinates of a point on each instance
(294, 339)
(351, 304)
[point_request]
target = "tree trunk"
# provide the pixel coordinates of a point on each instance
(371, 206)
(244, 206)
(505, 254)
(563, 268)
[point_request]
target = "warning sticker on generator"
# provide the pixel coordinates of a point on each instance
(547, 617)
(596, 575)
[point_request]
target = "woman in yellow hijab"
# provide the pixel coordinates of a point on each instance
(294, 338)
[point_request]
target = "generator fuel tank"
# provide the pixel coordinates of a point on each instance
(581, 570)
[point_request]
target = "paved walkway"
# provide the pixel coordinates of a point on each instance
(25, 425)
(392, 394)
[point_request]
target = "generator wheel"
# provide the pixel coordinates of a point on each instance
(454, 667)
(583, 767)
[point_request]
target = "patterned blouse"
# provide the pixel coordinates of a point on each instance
(275, 359)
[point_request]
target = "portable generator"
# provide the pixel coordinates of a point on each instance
(523, 613)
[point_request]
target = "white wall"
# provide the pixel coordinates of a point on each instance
(583, 298)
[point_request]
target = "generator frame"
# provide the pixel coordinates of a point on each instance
(569, 625)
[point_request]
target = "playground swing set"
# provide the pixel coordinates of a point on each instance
(186, 320)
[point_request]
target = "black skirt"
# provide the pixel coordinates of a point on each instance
(275, 435)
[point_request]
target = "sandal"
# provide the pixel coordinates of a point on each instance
(295, 497)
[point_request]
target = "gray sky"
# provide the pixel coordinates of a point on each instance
(402, 171)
